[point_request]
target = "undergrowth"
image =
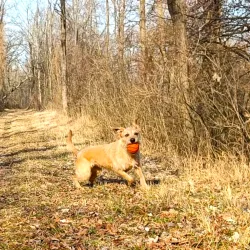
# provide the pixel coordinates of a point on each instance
(203, 205)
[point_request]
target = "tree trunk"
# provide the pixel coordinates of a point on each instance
(107, 27)
(34, 99)
(49, 42)
(115, 18)
(121, 36)
(75, 20)
(143, 38)
(214, 34)
(2, 56)
(177, 10)
(38, 60)
(215, 13)
(161, 27)
(64, 58)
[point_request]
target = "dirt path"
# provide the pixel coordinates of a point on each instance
(32, 154)
(39, 207)
(21, 131)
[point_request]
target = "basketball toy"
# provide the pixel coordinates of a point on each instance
(133, 148)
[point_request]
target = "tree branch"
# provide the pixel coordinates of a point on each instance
(14, 88)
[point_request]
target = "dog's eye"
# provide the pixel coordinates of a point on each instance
(136, 133)
(126, 135)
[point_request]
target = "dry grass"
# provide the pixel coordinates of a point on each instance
(204, 206)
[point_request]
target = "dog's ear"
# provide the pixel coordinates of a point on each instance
(118, 131)
(135, 124)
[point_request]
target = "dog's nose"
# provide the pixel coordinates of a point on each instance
(132, 140)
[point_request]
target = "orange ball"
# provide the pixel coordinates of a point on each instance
(133, 148)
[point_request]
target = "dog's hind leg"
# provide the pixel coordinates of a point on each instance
(76, 182)
(82, 173)
(94, 172)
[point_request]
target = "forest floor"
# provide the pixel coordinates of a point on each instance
(199, 206)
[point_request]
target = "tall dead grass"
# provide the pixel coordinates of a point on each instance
(213, 197)
(115, 97)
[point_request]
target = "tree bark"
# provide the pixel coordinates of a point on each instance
(161, 27)
(64, 58)
(121, 35)
(143, 41)
(38, 60)
(107, 27)
(177, 10)
(76, 14)
(214, 33)
(2, 55)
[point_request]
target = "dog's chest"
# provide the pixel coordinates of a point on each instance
(125, 162)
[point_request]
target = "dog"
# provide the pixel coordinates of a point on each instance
(113, 156)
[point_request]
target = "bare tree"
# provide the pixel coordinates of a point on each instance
(107, 27)
(143, 38)
(161, 27)
(49, 47)
(64, 57)
(2, 54)
(120, 33)
(177, 10)
(76, 20)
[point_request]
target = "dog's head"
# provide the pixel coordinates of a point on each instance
(128, 135)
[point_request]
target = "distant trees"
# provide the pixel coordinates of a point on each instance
(182, 67)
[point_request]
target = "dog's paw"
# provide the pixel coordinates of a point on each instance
(145, 187)
(89, 184)
(136, 165)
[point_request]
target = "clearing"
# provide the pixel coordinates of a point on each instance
(205, 207)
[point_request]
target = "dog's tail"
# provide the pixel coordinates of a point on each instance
(70, 144)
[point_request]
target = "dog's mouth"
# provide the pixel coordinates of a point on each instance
(131, 143)
(133, 148)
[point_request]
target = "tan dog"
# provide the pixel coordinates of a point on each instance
(113, 156)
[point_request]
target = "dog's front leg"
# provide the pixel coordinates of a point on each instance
(126, 176)
(138, 171)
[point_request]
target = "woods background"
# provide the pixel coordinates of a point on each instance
(181, 67)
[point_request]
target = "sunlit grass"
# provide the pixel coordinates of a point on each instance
(205, 207)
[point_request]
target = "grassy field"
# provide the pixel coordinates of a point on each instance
(194, 204)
